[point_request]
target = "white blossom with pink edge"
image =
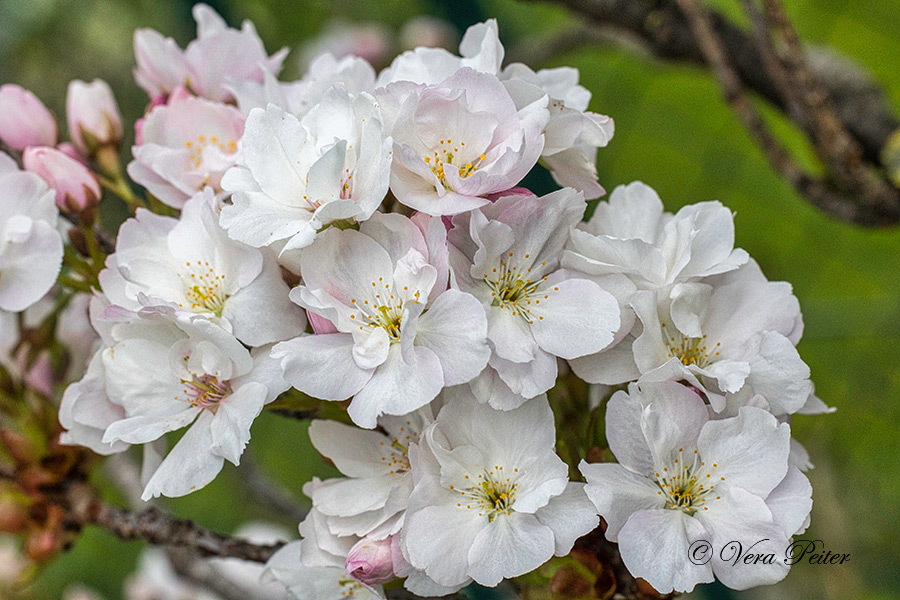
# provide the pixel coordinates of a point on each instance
(190, 265)
(459, 140)
(186, 145)
(218, 58)
(299, 97)
(572, 133)
(491, 499)
(296, 177)
(683, 478)
(31, 247)
(401, 334)
(507, 255)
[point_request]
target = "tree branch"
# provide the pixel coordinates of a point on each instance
(156, 527)
(665, 28)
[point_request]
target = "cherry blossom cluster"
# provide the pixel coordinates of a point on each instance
(363, 237)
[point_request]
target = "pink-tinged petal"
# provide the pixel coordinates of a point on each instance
(24, 120)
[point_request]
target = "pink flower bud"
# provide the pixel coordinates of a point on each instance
(24, 120)
(370, 561)
(76, 188)
(93, 116)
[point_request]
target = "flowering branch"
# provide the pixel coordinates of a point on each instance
(857, 129)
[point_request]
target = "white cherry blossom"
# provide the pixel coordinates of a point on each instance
(186, 145)
(572, 133)
(168, 374)
(459, 140)
(684, 479)
(491, 499)
(731, 336)
(209, 65)
(296, 177)
(400, 335)
(190, 265)
(507, 255)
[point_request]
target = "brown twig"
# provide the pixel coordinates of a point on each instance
(156, 527)
(820, 193)
(665, 28)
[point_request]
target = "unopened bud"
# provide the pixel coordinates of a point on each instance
(93, 116)
(76, 188)
(370, 562)
(24, 120)
(42, 545)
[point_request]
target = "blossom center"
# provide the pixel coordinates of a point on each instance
(383, 307)
(197, 146)
(350, 587)
(510, 291)
(689, 350)
(206, 391)
(445, 154)
(493, 494)
(687, 485)
(205, 289)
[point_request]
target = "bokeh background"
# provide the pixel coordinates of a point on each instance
(672, 131)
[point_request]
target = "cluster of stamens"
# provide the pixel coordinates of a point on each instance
(196, 147)
(205, 391)
(444, 155)
(205, 289)
(492, 494)
(397, 456)
(382, 308)
(689, 350)
(687, 486)
(349, 587)
(346, 185)
(509, 290)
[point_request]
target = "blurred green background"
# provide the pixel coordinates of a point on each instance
(673, 132)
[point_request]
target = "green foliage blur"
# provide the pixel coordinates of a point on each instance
(674, 132)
